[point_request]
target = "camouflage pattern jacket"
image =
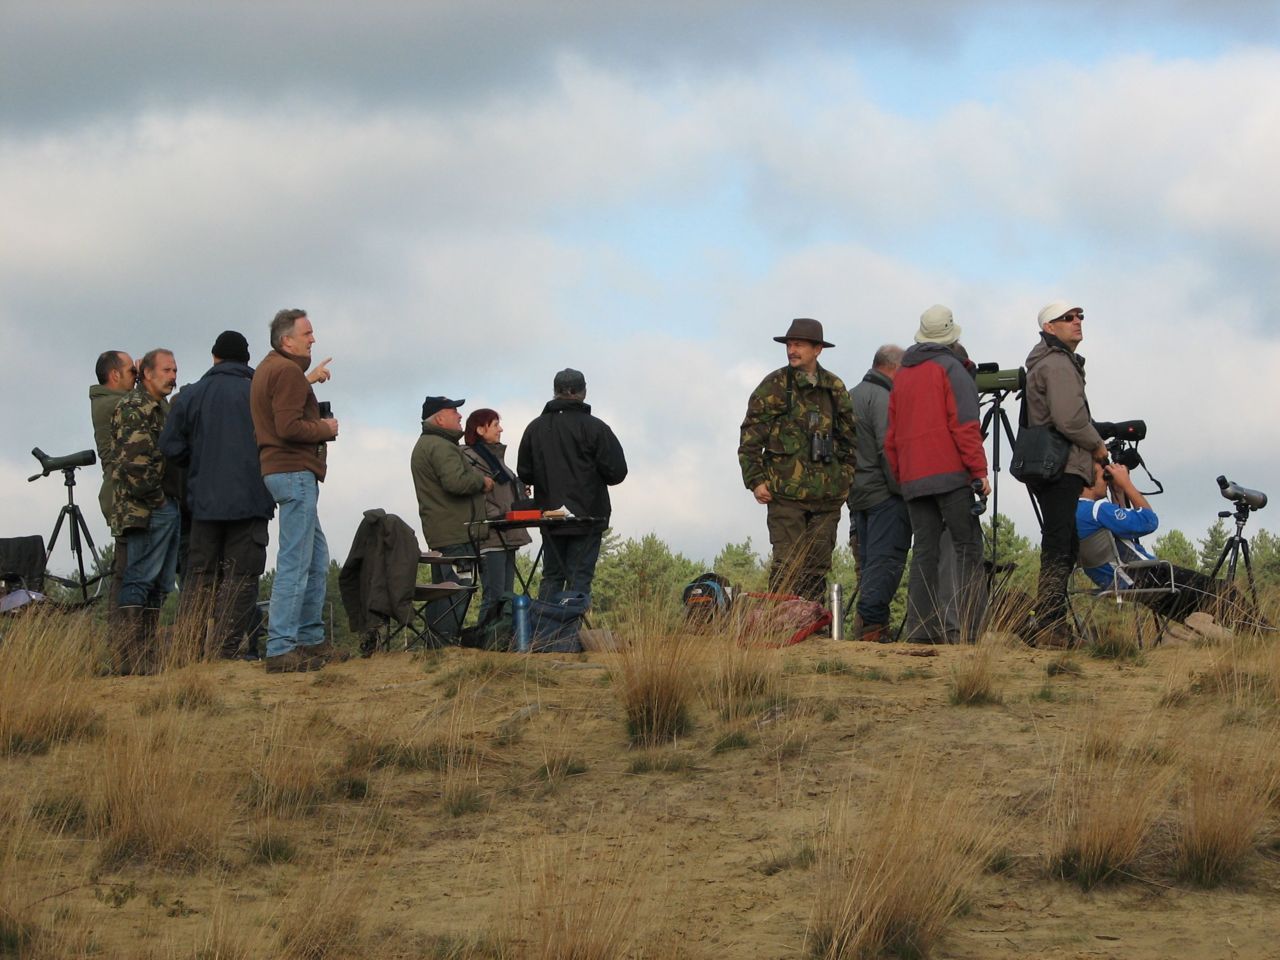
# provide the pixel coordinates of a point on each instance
(138, 468)
(776, 441)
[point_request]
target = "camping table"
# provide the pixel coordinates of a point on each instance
(548, 526)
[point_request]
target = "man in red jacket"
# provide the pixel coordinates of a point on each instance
(934, 447)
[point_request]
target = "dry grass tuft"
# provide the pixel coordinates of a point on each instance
(19, 925)
(1223, 811)
(157, 798)
(894, 873)
(1116, 639)
(460, 789)
(324, 918)
(973, 678)
(1108, 794)
(744, 679)
(581, 902)
(47, 658)
(657, 688)
(188, 688)
(290, 773)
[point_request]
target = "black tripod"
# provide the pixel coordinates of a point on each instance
(1236, 547)
(77, 530)
(997, 418)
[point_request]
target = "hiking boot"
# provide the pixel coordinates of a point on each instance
(294, 661)
(875, 633)
(324, 653)
(1056, 637)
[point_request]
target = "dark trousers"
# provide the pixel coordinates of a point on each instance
(225, 560)
(926, 603)
(568, 563)
(883, 536)
(802, 534)
(1196, 593)
(1059, 547)
(497, 578)
(445, 617)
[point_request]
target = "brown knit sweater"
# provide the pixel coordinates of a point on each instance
(286, 417)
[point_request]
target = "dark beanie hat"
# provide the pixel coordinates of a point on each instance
(231, 346)
(569, 381)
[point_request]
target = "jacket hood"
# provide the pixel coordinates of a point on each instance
(878, 378)
(230, 368)
(923, 352)
(560, 404)
(1048, 345)
(430, 429)
(97, 391)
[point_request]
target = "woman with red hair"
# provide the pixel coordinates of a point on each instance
(485, 451)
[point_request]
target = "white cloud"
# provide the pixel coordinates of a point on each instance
(476, 252)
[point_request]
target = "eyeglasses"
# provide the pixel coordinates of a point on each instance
(1071, 317)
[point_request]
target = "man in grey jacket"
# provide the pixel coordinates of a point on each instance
(1055, 395)
(877, 512)
(450, 496)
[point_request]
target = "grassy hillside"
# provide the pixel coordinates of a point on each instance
(689, 797)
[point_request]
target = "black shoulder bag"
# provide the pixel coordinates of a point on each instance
(1040, 453)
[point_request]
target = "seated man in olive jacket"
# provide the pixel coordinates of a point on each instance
(450, 496)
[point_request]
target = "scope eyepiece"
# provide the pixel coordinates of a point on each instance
(1243, 496)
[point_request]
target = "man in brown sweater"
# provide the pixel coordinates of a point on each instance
(291, 438)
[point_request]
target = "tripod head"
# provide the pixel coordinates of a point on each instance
(66, 464)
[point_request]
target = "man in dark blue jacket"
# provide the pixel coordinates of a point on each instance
(210, 431)
(571, 459)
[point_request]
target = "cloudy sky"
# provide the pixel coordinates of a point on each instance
(468, 196)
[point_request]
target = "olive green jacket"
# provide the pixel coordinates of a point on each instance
(450, 491)
(775, 446)
(102, 403)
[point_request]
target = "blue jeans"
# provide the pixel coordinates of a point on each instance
(302, 564)
(884, 537)
(568, 563)
(151, 559)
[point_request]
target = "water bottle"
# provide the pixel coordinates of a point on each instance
(837, 612)
(520, 621)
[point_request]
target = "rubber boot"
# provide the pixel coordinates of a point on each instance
(150, 646)
(126, 633)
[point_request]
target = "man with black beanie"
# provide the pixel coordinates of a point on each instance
(571, 459)
(210, 432)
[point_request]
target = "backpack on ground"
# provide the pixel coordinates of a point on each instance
(555, 623)
(707, 598)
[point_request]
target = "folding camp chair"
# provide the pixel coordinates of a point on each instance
(439, 609)
(1126, 573)
(22, 564)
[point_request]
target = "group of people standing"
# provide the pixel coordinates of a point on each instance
(570, 458)
(191, 487)
(904, 449)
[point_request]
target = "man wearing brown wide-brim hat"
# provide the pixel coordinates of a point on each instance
(797, 454)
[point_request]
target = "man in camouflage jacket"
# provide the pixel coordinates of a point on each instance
(797, 456)
(145, 509)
